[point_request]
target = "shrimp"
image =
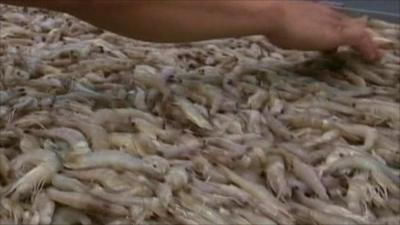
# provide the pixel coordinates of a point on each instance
(120, 117)
(233, 147)
(257, 100)
(325, 207)
(45, 208)
(311, 216)
(189, 146)
(74, 138)
(253, 121)
(369, 134)
(202, 210)
(164, 194)
(144, 126)
(381, 109)
(254, 218)
(177, 178)
(69, 216)
(95, 133)
(28, 142)
(13, 209)
(65, 183)
(4, 167)
(230, 191)
(202, 166)
(35, 179)
(152, 165)
(307, 174)
(325, 138)
(277, 127)
(86, 202)
(191, 112)
(382, 175)
(40, 118)
(269, 205)
(148, 77)
(275, 177)
(125, 141)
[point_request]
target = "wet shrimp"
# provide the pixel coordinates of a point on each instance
(74, 138)
(274, 208)
(86, 202)
(152, 165)
(275, 177)
(44, 207)
(191, 112)
(33, 181)
(69, 216)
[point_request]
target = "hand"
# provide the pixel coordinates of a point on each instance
(311, 26)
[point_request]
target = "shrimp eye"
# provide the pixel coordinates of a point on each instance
(154, 165)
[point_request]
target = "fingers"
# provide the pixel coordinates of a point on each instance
(355, 34)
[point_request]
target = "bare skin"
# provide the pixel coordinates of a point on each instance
(301, 25)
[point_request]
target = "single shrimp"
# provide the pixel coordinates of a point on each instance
(254, 119)
(45, 208)
(269, 205)
(307, 174)
(74, 138)
(28, 142)
(254, 218)
(381, 109)
(311, 216)
(333, 209)
(40, 118)
(189, 146)
(69, 216)
(369, 134)
(123, 141)
(36, 178)
(177, 178)
(257, 100)
(204, 211)
(275, 177)
(4, 167)
(95, 133)
(383, 176)
(234, 148)
(66, 183)
(202, 166)
(113, 118)
(277, 127)
(325, 138)
(152, 165)
(164, 194)
(86, 202)
(192, 113)
(148, 77)
(230, 191)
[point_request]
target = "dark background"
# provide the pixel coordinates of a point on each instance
(383, 9)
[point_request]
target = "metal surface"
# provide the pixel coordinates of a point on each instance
(388, 10)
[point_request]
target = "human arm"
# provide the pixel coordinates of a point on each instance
(299, 25)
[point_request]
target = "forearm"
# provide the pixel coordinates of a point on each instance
(169, 21)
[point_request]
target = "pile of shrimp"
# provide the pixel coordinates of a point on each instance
(96, 128)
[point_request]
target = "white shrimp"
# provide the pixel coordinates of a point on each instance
(152, 165)
(86, 202)
(269, 205)
(69, 216)
(36, 178)
(74, 138)
(45, 208)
